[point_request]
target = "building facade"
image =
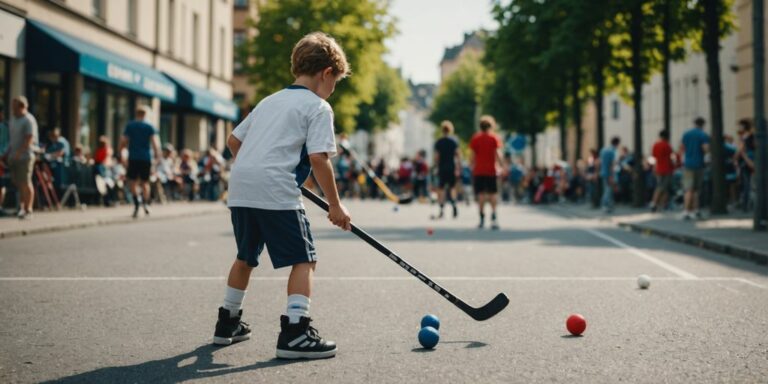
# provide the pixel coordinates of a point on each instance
(473, 45)
(85, 65)
(244, 16)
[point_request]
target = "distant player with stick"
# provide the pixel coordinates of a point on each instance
(447, 162)
(274, 147)
(486, 161)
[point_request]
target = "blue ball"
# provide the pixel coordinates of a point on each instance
(430, 321)
(395, 208)
(428, 337)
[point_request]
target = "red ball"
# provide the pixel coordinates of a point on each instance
(576, 324)
(430, 231)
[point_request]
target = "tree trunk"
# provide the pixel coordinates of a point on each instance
(534, 162)
(563, 122)
(575, 86)
(600, 93)
(665, 52)
(711, 43)
(636, 36)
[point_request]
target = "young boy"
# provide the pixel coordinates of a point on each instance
(274, 147)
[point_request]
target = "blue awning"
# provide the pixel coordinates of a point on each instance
(49, 49)
(203, 100)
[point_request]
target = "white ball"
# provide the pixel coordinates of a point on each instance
(643, 281)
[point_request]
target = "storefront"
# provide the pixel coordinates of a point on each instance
(199, 119)
(84, 89)
(11, 56)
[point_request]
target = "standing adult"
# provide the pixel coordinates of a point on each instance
(22, 145)
(4, 180)
(694, 145)
(662, 152)
(608, 173)
(447, 161)
(140, 138)
(486, 161)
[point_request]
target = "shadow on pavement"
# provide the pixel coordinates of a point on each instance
(469, 344)
(571, 336)
(168, 370)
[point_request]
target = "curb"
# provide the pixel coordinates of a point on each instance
(99, 222)
(727, 249)
(760, 258)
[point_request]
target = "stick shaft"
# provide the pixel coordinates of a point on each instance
(392, 256)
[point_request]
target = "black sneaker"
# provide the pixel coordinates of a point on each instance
(230, 329)
(455, 212)
(301, 341)
(135, 211)
(494, 225)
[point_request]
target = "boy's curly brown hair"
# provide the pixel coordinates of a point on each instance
(316, 52)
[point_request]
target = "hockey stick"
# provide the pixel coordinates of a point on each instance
(483, 313)
(379, 183)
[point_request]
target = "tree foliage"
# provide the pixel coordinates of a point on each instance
(392, 93)
(360, 27)
(459, 96)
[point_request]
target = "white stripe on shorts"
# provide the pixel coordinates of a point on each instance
(303, 228)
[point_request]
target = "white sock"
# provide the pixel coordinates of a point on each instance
(233, 301)
(298, 306)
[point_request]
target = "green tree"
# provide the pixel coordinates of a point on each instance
(459, 96)
(714, 20)
(528, 83)
(392, 93)
(360, 27)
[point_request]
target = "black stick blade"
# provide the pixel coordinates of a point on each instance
(405, 199)
(489, 310)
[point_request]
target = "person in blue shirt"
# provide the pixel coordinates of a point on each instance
(694, 146)
(57, 153)
(607, 173)
(141, 139)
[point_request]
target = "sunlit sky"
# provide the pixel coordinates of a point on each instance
(427, 27)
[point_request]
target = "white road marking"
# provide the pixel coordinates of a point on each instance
(671, 268)
(750, 282)
(727, 288)
(378, 278)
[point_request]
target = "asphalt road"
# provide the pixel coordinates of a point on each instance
(137, 303)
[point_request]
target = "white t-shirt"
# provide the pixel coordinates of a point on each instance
(276, 136)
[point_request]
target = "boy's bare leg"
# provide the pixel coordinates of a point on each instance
(300, 280)
(239, 275)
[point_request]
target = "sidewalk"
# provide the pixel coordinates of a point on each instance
(68, 219)
(731, 234)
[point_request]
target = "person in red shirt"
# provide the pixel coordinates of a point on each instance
(663, 153)
(486, 162)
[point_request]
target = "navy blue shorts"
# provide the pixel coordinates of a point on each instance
(285, 233)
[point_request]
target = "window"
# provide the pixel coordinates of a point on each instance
(132, 17)
(195, 39)
(615, 109)
(97, 9)
(183, 33)
(171, 24)
(241, 3)
(222, 50)
(238, 38)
